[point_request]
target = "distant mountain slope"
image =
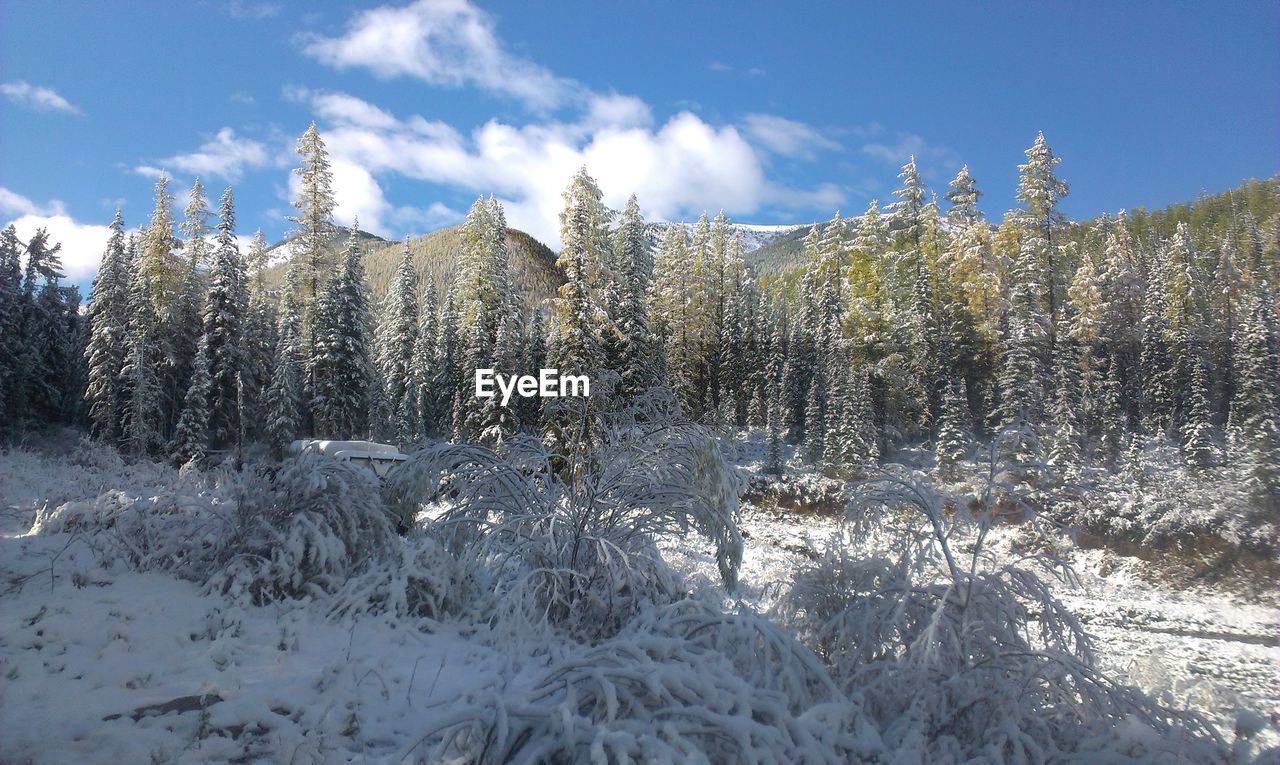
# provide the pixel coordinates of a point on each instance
(755, 237)
(437, 254)
(779, 253)
(278, 253)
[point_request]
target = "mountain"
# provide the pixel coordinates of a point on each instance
(779, 253)
(755, 237)
(278, 253)
(437, 254)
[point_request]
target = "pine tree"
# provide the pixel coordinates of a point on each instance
(1023, 364)
(191, 437)
(1158, 389)
(143, 408)
(342, 367)
(583, 232)
(397, 344)
(1225, 299)
(922, 358)
(814, 440)
(1067, 433)
(908, 211)
(224, 312)
(1113, 418)
(448, 372)
(11, 310)
(40, 364)
(773, 453)
(953, 441)
(670, 309)
(1039, 191)
(1200, 443)
(487, 304)
(963, 197)
(424, 367)
(534, 357)
(157, 257)
(632, 253)
(195, 226)
(108, 326)
(315, 229)
(259, 340)
(1254, 424)
(284, 395)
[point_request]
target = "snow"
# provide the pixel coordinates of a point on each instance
(752, 235)
(88, 644)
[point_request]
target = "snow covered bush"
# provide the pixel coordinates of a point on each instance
(663, 690)
(421, 581)
(576, 547)
(1158, 503)
(180, 525)
(319, 523)
(958, 654)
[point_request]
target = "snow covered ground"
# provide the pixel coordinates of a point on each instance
(99, 663)
(1211, 651)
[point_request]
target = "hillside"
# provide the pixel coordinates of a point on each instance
(763, 245)
(437, 253)
(1209, 216)
(779, 253)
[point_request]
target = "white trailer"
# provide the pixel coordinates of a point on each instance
(380, 458)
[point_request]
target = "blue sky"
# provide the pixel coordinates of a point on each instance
(773, 115)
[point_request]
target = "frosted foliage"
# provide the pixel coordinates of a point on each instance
(577, 552)
(1010, 671)
(182, 527)
(661, 692)
(321, 523)
(1155, 506)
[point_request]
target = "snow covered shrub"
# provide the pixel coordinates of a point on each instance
(320, 523)
(179, 526)
(651, 694)
(960, 655)
(761, 652)
(92, 453)
(576, 547)
(423, 582)
(1158, 503)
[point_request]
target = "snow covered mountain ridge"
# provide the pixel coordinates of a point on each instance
(753, 235)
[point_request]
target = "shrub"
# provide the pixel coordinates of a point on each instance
(961, 656)
(576, 548)
(320, 523)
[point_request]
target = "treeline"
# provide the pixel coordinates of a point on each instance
(41, 335)
(1071, 346)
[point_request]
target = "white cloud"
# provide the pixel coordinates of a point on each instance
(243, 9)
(909, 145)
(222, 156)
(677, 169)
(82, 244)
(788, 137)
(448, 43)
(36, 97)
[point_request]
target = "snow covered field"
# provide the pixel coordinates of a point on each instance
(100, 663)
(1212, 651)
